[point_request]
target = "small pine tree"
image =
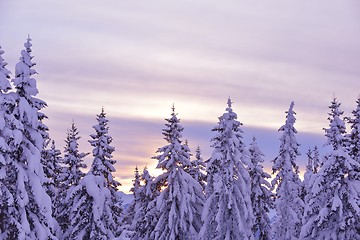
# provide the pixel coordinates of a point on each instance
(73, 158)
(335, 134)
(228, 211)
(308, 175)
(332, 211)
(53, 170)
(95, 203)
(134, 205)
(145, 217)
(261, 195)
(181, 199)
(316, 160)
(288, 203)
(197, 168)
(309, 168)
(71, 175)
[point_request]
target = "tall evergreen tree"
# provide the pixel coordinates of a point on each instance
(95, 203)
(228, 211)
(333, 211)
(71, 175)
(32, 204)
(289, 205)
(9, 219)
(261, 195)
(354, 136)
(181, 199)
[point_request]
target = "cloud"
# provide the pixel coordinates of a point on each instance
(138, 58)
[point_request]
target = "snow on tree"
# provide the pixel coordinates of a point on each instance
(228, 211)
(73, 158)
(9, 219)
(261, 195)
(197, 168)
(95, 205)
(4, 74)
(354, 136)
(289, 205)
(53, 170)
(71, 175)
(146, 213)
(181, 199)
(337, 130)
(134, 205)
(31, 204)
(333, 208)
(309, 171)
(316, 161)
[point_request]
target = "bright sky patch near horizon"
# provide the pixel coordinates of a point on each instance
(137, 58)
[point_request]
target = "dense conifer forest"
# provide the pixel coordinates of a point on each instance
(46, 194)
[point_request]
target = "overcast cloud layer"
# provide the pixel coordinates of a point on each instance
(137, 58)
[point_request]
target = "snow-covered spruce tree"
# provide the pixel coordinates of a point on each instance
(146, 215)
(31, 201)
(312, 167)
(53, 170)
(4, 74)
(354, 136)
(73, 161)
(197, 168)
(261, 195)
(126, 229)
(9, 219)
(289, 205)
(95, 205)
(181, 199)
(309, 172)
(336, 133)
(130, 211)
(73, 158)
(228, 211)
(316, 161)
(333, 211)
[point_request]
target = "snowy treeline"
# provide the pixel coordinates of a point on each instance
(45, 194)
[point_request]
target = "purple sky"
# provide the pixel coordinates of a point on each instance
(137, 58)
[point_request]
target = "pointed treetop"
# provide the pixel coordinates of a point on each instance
(291, 106)
(173, 109)
(28, 44)
(229, 103)
(290, 119)
(4, 74)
